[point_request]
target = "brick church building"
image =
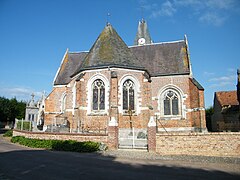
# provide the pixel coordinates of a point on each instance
(126, 86)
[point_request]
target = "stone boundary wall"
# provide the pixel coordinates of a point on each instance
(205, 144)
(63, 136)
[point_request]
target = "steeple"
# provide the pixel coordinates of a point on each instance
(109, 49)
(142, 37)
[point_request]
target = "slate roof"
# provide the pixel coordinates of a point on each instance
(227, 98)
(109, 49)
(196, 83)
(163, 58)
(70, 64)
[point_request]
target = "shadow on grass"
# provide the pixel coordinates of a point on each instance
(42, 164)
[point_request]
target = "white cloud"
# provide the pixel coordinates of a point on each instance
(220, 4)
(166, 9)
(205, 73)
(211, 12)
(232, 70)
(212, 18)
(214, 4)
(21, 93)
(221, 84)
(223, 78)
(222, 81)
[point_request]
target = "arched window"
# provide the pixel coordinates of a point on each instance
(171, 103)
(98, 95)
(128, 95)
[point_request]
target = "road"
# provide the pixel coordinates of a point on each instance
(18, 162)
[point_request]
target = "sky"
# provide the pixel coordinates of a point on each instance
(34, 36)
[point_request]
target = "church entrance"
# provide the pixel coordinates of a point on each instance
(132, 138)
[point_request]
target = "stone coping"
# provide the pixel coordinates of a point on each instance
(196, 133)
(58, 133)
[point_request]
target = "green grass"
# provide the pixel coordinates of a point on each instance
(8, 133)
(59, 145)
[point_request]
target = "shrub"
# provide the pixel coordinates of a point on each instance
(26, 125)
(58, 145)
(8, 133)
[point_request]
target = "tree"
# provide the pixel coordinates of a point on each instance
(209, 113)
(11, 109)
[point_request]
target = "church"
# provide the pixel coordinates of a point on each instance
(127, 86)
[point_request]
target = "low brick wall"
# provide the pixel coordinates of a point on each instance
(62, 136)
(206, 144)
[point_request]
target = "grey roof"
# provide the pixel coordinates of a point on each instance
(163, 58)
(142, 32)
(109, 49)
(196, 83)
(70, 64)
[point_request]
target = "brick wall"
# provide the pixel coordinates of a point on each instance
(63, 136)
(207, 144)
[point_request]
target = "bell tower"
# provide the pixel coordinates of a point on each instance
(143, 36)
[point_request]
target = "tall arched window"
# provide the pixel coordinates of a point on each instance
(128, 95)
(171, 103)
(98, 95)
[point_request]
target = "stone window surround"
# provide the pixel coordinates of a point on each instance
(91, 112)
(180, 94)
(136, 94)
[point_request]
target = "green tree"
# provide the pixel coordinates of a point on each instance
(209, 113)
(11, 109)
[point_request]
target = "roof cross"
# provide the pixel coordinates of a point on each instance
(108, 17)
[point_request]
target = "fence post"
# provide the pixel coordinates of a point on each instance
(113, 133)
(30, 123)
(152, 135)
(78, 125)
(21, 125)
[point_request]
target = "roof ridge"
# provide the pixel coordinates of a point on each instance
(226, 91)
(77, 52)
(159, 43)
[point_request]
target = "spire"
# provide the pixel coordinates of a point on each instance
(142, 36)
(109, 49)
(31, 103)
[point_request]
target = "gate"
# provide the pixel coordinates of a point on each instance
(133, 138)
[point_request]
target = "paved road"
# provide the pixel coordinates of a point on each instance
(17, 162)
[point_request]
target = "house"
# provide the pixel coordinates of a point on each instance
(113, 83)
(226, 109)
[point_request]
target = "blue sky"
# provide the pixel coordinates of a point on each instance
(34, 36)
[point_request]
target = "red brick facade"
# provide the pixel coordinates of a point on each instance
(147, 102)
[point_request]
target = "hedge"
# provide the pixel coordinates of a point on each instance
(59, 145)
(9, 133)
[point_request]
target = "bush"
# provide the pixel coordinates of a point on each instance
(58, 145)
(26, 125)
(8, 133)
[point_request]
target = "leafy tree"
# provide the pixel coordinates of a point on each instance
(11, 109)
(209, 113)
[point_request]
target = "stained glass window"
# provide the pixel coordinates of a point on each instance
(98, 98)
(171, 103)
(128, 95)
